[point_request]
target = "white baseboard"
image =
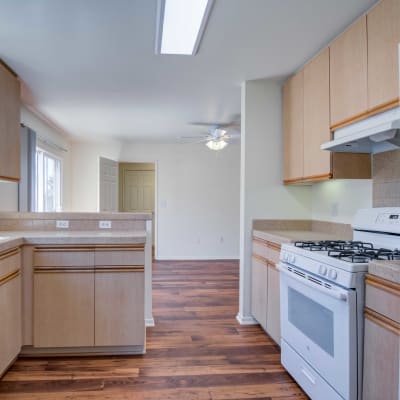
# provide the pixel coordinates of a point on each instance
(149, 322)
(246, 320)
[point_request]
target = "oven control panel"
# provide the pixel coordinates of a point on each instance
(388, 219)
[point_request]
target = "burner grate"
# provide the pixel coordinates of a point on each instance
(350, 250)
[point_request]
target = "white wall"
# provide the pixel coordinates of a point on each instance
(85, 172)
(197, 194)
(338, 200)
(262, 194)
(9, 191)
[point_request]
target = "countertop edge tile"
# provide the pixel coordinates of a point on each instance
(18, 238)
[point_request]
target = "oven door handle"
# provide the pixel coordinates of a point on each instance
(336, 293)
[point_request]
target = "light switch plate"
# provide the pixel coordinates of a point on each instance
(62, 224)
(105, 224)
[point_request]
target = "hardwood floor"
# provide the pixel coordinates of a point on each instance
(196, 351)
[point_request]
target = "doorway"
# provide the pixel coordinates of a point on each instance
(137, 189)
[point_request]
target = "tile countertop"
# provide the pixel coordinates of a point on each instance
(287, 236)
(389, 270)
(9, 239)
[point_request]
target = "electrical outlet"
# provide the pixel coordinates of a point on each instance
(221, 239)
(105, 224)
(334, 209)
(62, 224)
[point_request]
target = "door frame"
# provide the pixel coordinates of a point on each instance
(156, 206)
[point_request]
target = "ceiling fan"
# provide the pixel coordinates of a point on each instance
(218, 135)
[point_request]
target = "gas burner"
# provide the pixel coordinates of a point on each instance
(339, 245)
(364, 254)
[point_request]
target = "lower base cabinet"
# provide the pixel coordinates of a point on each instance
(265, 301)
(274, 309)
(381, 378)
(10, 308)
(119, 311)
(88, 297)
(63, 308)
(259, 297)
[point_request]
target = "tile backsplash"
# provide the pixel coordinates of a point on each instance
(386, 179)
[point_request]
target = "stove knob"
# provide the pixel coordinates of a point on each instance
(332, 274)
(323, 270)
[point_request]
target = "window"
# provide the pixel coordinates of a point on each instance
(48, 181)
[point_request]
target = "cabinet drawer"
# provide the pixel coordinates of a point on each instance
(123, 256)
(260, 248)
(383, 297)
(63, 257)
(10, 261)
(273, 255)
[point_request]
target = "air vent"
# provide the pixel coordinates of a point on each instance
(310, 278)
(302, 274)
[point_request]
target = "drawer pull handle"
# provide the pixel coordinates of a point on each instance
(308, 375)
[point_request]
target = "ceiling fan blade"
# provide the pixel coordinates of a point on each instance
(197, 141)
(195, 137)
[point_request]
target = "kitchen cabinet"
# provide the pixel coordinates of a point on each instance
(119, 300)
(9, 125)
(259, 292)
(63, 297)
(273, 312)
(348, 75)
(383, 55)
(88, 296)
(317, 164)
(293, 127)
(10, 307)
(381, 340)
(265, 287)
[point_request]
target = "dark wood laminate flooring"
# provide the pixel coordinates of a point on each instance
(196, 351)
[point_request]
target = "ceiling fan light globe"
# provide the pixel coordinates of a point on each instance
(216, 145)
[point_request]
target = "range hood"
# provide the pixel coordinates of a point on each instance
(372, 135)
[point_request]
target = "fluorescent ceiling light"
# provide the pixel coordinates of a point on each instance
(180, 25)
(216, 144)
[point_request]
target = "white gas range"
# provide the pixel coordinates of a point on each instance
(322, 301)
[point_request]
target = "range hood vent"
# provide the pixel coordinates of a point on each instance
(372, 135)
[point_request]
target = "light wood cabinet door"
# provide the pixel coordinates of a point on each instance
(383, 54)
(317, 162)
(259, 291)
(381, 360)
(293, 128)
(9, 125)
(10, 319)
(119, 307)
(63, 308)
(274, 309)
(348, 75)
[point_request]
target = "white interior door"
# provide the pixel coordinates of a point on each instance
(108, 185)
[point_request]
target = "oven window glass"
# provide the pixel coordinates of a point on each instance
(311, 318)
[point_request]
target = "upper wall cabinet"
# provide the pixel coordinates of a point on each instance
(293, 128)
(9, 125)
(306, 127)
(348, 75)
(317, 163)
(383, 23)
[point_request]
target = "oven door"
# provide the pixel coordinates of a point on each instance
(319, 321)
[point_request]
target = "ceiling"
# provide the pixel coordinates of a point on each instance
(91, 67)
